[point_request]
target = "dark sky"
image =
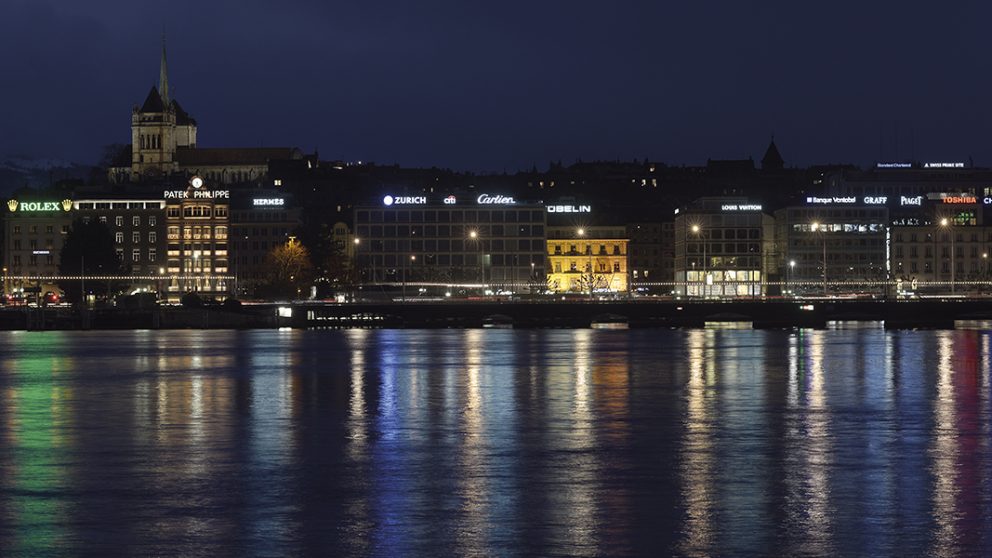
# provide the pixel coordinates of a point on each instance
(494, 85)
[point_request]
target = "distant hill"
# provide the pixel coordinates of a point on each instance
(16, 172)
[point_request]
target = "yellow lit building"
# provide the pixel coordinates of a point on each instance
(581, 259)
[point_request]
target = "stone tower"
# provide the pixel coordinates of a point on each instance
(158, 127)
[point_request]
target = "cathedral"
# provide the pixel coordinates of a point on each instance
(163, 144)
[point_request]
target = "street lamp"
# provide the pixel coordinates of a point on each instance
(582, 233)
(792, 268)
(816, 226)
(945, 224)
(698, 231)
(405, 272)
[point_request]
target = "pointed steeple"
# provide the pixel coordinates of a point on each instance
(772, 159)
(163, 76)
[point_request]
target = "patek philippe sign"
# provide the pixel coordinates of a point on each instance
(486, 199)
(196, 194)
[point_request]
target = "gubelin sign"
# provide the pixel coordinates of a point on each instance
(569, 209)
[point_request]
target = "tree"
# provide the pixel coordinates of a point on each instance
(288, 268)
(88, 250)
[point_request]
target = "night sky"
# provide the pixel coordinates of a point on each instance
(504, 85)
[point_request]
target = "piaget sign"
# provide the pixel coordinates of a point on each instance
(33, 206)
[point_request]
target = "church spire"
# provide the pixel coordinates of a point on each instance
(163, 76)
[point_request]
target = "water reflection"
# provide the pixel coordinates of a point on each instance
(496, 442)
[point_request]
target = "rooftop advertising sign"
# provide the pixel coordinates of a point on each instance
(268, 202)
(569, 209)
(34, 207)
(741, 207)
(196, 194)
(943, 165)
(835, 200)
(404, 200)
(895, 165)
(486, 199)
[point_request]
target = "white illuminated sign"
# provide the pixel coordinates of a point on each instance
(741, 207)
(894, 165)
(875, 200)
(940, 165)
(831, 201)
(263, 202)
(910, 200)
(197, 194)
(450, 200)
(486, 199)
(404, 200)
(569, 209)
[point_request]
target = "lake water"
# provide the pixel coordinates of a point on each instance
(495, 443)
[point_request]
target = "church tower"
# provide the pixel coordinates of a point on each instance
(154, 130)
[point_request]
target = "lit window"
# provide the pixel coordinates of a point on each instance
(136, 255)
(119, 220)
(136, 221)
(119, 237)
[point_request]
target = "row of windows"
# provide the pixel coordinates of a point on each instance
(261, 231)
(33, 229)
(33, 259)
(150, 141)
(197, 211)
(120, 205)
(944, 237)
(495, 245)
(152, 254)
(196, 232)
(451, 216)
(449, 231)
(33, 244)
(944, 252)
(445, 260)
(135, 237)
(573, 249)
(135, 220)
(601, 267)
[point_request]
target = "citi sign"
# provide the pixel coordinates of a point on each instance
(450, 200)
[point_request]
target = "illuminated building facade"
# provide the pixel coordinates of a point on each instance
(34, 231)
(588, 259)
(475, 238)
(197, 225)
(724, 247)
(138, 228)
(851, 236)
(260, 221)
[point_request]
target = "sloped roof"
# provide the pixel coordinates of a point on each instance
(153, 102)
(234, 155)
(182, 117)
(772, 159)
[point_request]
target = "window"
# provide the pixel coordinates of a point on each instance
(119, 220)
(120, 253)
(136, 221)
(135, 237)
(220, 233)
(119, 237)
(135, 255)
(152, 237)
(17, 244)
(151, 221)
(103, 218)
(172, 233)
(152, 254)
(49, 229)
(17, 229)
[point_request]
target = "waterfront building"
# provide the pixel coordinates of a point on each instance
(260, 221)
(34, 230)
(474, 238)
(590, 259)
(839, 240)
(652, 255)
(724, 247)
(197, 225)
(138, 228)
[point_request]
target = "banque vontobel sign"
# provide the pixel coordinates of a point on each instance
(33, 206)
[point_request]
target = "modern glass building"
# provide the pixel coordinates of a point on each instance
(477, 238)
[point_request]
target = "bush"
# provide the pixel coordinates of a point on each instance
(232, 304)
(191, 300)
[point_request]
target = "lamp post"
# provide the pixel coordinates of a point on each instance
(946, 225)
(698, 231)
(405, 271)
(474, 235)
(582, 233)
(816, 226)
(788, 282)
